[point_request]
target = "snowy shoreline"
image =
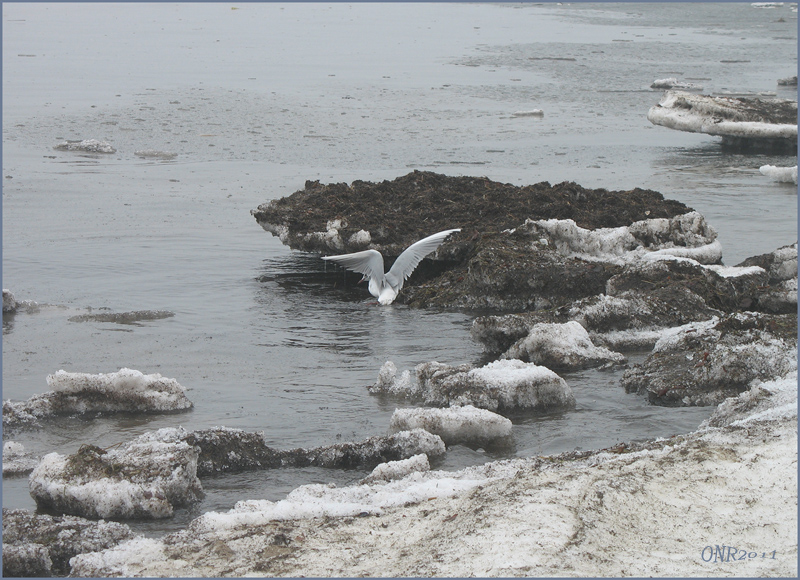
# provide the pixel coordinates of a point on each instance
(633, 510)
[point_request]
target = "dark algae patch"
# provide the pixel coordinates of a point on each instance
(399, 212)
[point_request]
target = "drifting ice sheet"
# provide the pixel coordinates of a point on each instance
(781, 174)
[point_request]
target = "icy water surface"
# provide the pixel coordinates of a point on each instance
(245, 103)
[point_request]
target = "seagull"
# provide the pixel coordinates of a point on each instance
(386, 286)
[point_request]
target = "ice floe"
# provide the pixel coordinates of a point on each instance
(530, 113)
(788, 81)
(41, 545)
(780, 174)
(728, 117)
(133, 317)
(9, 302)
(145, 478)
(505, 385)
(126, 390)
(155, 154)
(16, 461)
(455, 425)
(561, 346)
(87, 145)
(398, 469)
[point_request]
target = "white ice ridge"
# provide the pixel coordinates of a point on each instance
(398, 469)
(687, 235)
(703, 114)
(781, 174)
(454, 425)
(87, 145)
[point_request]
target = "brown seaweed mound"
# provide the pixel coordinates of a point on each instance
(399, 212)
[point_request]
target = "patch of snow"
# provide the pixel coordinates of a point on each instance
(780, 174)
(454, 424)
(687, 234)
(559, 346)
(735, 271)
(360, 238)
(392, 470)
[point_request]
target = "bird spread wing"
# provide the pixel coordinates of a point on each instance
(368, 262)
(413, 255)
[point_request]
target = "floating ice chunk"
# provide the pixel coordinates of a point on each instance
(531, 113)
(505, 385)
(788, 81)
(132, 318)
(87, 145)
(389, 383)
(125, 390)
(766, 4)
(16, 461)
(467, 424)
(398, 469)
(780, 174)
(726, 116)
(156, 154)
(673, 83)
(9, 303)
(561, 346)
(144, 478)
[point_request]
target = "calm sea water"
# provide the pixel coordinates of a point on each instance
(257, 98)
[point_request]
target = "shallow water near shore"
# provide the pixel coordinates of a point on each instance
(255, 101)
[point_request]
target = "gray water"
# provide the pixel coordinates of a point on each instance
(257, 98)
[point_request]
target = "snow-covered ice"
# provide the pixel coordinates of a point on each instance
(144, 478)
(580, 514)
(87, 145)
(16, 461)
(398, 469)
(724, 116)
(686, 235)
(561, 346)
(9, 303)
(780, 174)
(673, 83)
(529, 113)
(468, 425)
(505, 385)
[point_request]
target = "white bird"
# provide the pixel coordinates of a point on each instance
(386, 286)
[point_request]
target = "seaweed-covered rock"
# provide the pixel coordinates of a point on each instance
(501, 386)
(225, 450)
(127, 390)
(370, 452)
(391, 215)
(37, 545)
(561, 347)
(144, 478)
(704, 364)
